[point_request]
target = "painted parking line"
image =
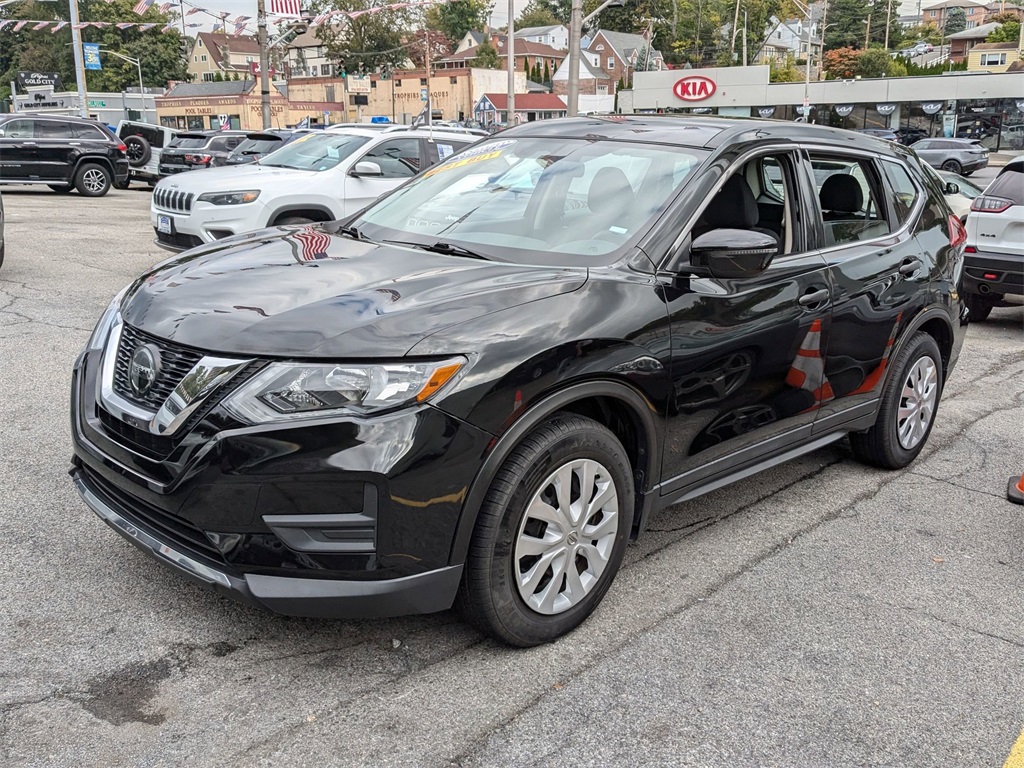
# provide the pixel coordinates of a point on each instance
(1016, 758)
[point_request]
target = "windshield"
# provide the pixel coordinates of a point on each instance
(195, 142)
(315, 152)
(257, 146)
(539, 200)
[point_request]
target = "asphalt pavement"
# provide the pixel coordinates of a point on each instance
(819, 614)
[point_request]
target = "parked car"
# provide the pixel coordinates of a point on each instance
(909, 136)
(322, 176)
(924, 47)
(63, 153)
(878, 133)
(195, 150)
(994, 255)
(906, 53)
(258, 144)
(144, 143)
(960, 193)
(478, 388)
(3, 243)
(962, 156)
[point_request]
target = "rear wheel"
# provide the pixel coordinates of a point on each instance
(980, 307)
(551, 533)
(952, 166)
(910, 401)
(93, 180)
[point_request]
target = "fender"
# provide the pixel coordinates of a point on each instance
(92, 160)
(505, 444)
(298, 208)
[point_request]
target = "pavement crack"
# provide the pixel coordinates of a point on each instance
(956, 624)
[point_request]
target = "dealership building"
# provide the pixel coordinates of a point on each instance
(978, 105)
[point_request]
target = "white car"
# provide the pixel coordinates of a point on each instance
(994, 253)
(324, 176)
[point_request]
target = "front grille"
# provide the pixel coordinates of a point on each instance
(175, 362)
(170, 528)
(154, 447)
(173, 200)
(178, 240)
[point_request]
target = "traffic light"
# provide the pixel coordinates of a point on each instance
(341, 68)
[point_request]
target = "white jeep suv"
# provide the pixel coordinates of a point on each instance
(323, 176)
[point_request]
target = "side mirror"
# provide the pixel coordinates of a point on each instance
(366, 168)
(952, 188)
(734, 252)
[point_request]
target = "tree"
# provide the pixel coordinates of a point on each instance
(956, 21)
(560, 10)
(787, 72)
(846, 20)
(440, 46)
(457, 18)
(486, 57)
(1008, 33)
(535, 15)
(547, 73)
(874, 63)
(841, 63)
(373, 40)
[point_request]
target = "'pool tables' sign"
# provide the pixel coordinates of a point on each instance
(694, 88)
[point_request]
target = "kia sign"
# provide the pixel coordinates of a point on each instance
(885, 109)
(694, 88)
(766, 112)
(843, 110)
(39, 79)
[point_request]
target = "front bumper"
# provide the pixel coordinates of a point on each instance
(993, 274)
(335, 518)
(206, 223)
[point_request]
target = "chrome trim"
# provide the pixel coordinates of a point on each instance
(211, 372)
(159, 550)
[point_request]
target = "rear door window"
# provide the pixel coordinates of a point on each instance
(848, 192)
(54, 129)
(902, 192)
(90, 132)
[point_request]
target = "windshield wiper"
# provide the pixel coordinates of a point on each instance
(350, 231)
(446, 249)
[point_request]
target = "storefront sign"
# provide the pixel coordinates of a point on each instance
(701, 110)
(804, 110)
(358, 84)
(37, 79)
(43, 99)
(766, 112)
(931, 107)
(694, 88)
(885, 109)
(843, 110)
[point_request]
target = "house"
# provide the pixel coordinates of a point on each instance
(216, 52)
(202, 105)
(937, 13)
(527, 54)
(306, 57)
(470, 40)
(493, 107)
(619, 54)
(993, 57)
(556, 35)
(593, 80)
(961, 43)
(1000, 7)
(792, 36)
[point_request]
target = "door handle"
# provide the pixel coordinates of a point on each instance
(910, 267)
(29, 144)
(814, 298)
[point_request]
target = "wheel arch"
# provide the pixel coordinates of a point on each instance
(315, 212)
(616, 405)
(93, 160)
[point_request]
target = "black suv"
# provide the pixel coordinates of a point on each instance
(480, 387)
(200, 149)
(64, 153)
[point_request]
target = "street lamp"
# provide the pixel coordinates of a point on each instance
(575, 31)
(142, 90)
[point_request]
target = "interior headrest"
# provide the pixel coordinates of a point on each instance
(841, 192)
(734, 207)
(610, 192)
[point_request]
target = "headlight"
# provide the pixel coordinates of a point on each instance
(102, 329)
(289, 391)
(229, 198)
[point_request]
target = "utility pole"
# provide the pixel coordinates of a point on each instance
(735, 27)
(888, 21)
(867, 35)
(821, 50)
(511, 50)
(575, 30)
(744, 37)
(76, 43)
(261, 22)
(430, 109)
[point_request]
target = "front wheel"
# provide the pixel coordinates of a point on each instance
(551, 533)
(93, 180)
(910, 401)
(292, 220)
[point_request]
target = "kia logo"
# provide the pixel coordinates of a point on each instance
(694, 88)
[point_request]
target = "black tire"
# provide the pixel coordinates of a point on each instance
(880, 446)
(980, 307)
(490, 596)
(138, 151)
(952, 166)
(290, 220)
(93, 180)
(63, 190)
(3, 248)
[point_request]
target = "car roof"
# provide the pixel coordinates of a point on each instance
(51, 116)
(707, 131)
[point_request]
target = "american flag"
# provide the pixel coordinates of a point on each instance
(142, 6)
(286, 7)
(314, 243)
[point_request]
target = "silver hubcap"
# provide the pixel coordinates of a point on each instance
(917, 403)
(94, 180)
(566, 536)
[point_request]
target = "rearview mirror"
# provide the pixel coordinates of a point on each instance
(952, 188)
(366, 168)
(734, 252)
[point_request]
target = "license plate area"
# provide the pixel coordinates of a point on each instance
(165, 224)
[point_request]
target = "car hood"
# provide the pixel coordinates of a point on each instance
(227, 179)
(304, 292)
